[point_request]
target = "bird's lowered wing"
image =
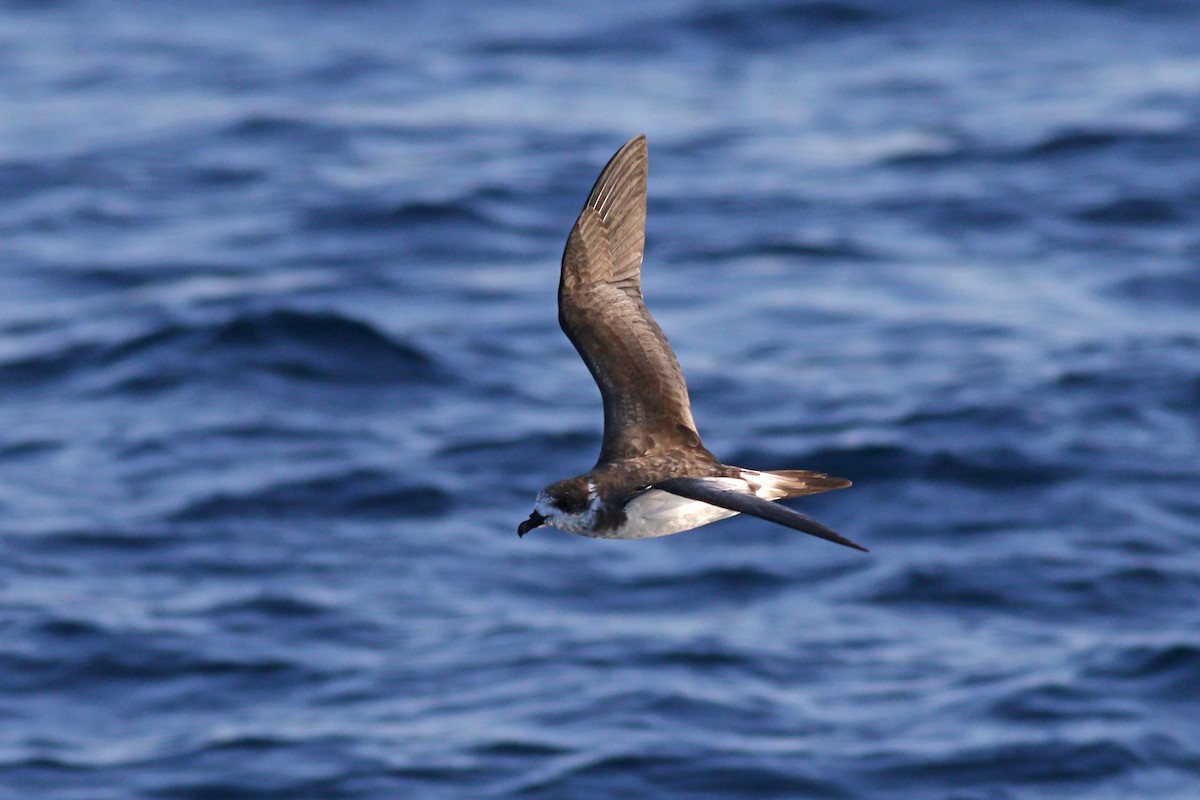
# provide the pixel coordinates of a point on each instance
(705, 491)
(600, 308)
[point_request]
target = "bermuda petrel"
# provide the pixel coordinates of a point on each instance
(654, 477)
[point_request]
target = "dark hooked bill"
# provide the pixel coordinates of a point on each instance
(535, 519)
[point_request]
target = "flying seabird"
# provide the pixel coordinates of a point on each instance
(654, 477)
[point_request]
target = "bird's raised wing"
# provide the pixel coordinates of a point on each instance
(600, 308)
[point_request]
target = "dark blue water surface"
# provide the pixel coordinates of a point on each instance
(280, 373)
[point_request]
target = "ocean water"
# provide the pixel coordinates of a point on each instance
(280, 373)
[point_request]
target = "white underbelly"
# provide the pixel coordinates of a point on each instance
(657, 513)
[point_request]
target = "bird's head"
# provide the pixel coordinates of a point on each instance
(570, 505)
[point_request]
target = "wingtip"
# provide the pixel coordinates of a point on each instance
(856, 546)
(823, 532)
(636, 143)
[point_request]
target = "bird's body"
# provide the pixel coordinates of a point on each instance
(654, 477)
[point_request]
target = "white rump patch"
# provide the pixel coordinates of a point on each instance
(769, 486)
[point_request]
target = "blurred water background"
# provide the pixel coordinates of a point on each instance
(280, 373)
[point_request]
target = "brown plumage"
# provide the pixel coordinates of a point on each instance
(650, 439)
(600, 308)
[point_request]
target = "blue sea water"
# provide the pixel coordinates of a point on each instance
(280, 373)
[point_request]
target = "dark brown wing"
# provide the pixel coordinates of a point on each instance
(600, 308)
(706, 492)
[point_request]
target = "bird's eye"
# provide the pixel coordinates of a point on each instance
(570, 503)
